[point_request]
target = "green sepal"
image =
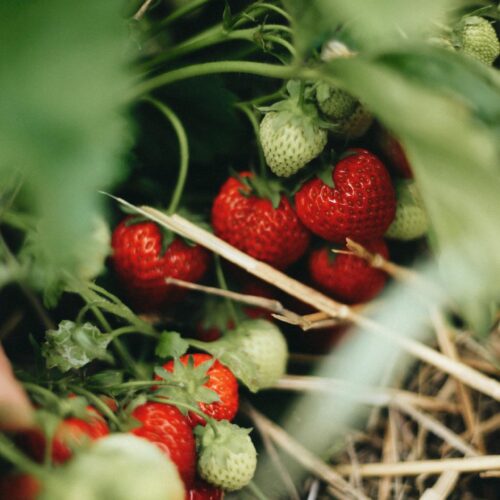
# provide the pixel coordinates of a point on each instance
(188, 383)
(326, 176)
(270, 189)
(170, 345)
(227, 18)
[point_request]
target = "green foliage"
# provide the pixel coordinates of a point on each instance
(374, 25)
(64, 78)
(72, 346)
(171, 344)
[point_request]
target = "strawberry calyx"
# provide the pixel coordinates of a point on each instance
(298, 109)
(230, 438)
(254, 185)
(187, 383)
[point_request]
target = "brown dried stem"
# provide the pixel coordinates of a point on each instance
(307, 459)
(367, 395)
(252, 300)
(414, 468)
(316, 299)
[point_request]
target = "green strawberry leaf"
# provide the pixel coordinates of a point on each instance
(171, 345)
(72, 346)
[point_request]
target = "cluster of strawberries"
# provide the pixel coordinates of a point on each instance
(193, 440)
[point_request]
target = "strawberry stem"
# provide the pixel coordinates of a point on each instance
(11, 453)
(223, 284)
(183, 152)
(98, 404)
(245, 108)
(254, 68)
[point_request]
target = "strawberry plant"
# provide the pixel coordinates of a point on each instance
(155, 155)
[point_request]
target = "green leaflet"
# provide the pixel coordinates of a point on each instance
(72, 346)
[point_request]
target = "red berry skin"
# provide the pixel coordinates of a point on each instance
(70, 433)
(19, 487)
(166, 427)
(204, 491)
(220, 380)
(361, 206)
(254, 226)
(142, 268)
(394, 153)
(348, 278)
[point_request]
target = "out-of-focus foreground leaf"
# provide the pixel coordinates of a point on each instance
(373, 25)
(455, 160)
(63, 75)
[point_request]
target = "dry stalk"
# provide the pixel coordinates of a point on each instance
(447, 346)
(437, 428)
(273, 455)
(307, 459)
(271, 305)
(367, 395)
(142, 10)
(443, 486)
(316, 299)
(389, 455)
(415, 468)
(396, 271)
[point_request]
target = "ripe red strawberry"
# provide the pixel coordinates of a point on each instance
(348, 278)
(142, 263)
(393, 151)
(19, 487)
(252, 224)
(361, 205)
(70, 433)
(220, 380)
(204, 491)
(166, 427)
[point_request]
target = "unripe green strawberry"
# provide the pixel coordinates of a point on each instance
(291, 134)
(226, 456)
(476, 37)
(263, 344)
(411, 219)
(355, 125)
(335, 103)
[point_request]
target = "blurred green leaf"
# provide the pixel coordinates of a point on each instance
(171, 344)
(64, 77)
(373, 25)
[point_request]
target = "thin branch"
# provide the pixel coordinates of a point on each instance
(367, 395)
(468, 464)
(446, 344)
(252, 300)
(307, 459)
(318, 300)
(142, 10)
(443, 486)
(437, 428)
